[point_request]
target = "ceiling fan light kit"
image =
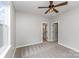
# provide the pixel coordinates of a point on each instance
(51, 10)
(52, 7)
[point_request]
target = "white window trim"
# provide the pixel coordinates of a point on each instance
(4, 50)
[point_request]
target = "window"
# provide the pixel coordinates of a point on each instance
(4, 24)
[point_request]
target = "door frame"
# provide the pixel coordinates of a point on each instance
(42, 30)
(52, 30)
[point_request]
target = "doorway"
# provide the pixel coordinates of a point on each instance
(44, 32)
(55, 32)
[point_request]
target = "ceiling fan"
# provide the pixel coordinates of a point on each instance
(51, 6)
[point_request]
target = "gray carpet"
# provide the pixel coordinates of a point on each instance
(45, 50)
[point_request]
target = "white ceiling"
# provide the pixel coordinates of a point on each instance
(32, 7)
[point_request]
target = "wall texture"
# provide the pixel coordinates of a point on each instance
(68, 29)
(29, 29)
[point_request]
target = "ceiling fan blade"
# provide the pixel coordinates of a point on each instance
(61, 4)
(51, 3)
(55, 10)
(43, 7)
(47, 11)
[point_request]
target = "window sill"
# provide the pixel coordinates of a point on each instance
(4, 51)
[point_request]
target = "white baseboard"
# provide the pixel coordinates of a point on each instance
(14, 53)
(11, 52)
(68, 47)
(28, 44)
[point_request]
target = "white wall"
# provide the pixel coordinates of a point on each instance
(12, 32)
(28, 29)
(68, 29)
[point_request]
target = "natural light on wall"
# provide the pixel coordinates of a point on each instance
(4, 25)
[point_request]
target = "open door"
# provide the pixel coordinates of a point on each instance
(44, 32)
